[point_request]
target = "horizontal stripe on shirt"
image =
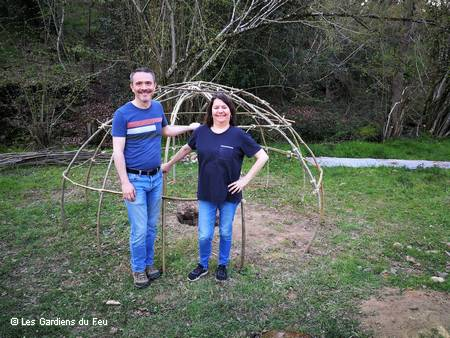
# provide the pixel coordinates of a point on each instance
(146, 122)
(141, 130)
(143, 136)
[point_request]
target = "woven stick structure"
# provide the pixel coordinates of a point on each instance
(186, 100)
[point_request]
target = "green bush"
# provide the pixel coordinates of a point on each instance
(369, 132)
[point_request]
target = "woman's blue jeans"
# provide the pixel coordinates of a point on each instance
(143, 214)
(206, 221)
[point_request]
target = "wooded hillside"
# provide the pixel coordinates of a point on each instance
(363, 69)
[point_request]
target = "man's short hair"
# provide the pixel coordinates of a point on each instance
(142, 70)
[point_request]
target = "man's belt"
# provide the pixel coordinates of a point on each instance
(150, 172)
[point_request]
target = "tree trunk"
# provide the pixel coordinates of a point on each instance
(437, 107)
(393, 126)
(394, 123)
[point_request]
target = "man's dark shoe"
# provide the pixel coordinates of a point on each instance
(140, 280)
(221, 273)
(197, 273)
(152, 273)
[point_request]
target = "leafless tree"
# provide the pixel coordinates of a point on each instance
(162, 28)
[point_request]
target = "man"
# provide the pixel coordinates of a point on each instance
(137, 129)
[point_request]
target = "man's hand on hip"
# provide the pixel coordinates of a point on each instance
(128, 191)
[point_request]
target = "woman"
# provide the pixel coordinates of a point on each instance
(221, 148)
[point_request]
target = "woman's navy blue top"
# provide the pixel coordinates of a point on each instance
(220, 158)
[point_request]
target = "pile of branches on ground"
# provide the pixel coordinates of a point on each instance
(49, 157)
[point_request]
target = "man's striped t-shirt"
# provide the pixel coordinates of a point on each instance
(142, 129)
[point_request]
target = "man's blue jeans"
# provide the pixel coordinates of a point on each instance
(206, 221)
(143, 214)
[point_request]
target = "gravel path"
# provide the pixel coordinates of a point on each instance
(373, 162)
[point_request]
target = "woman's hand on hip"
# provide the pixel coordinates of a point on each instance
(238, 185)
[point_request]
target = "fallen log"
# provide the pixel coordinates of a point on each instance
(46, 157)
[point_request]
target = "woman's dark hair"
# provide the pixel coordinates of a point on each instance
(227, 101)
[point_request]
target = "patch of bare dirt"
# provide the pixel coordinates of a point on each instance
(284, 334)
(271, 233)
(408, 314)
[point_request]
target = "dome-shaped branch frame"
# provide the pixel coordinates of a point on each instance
(264, 118)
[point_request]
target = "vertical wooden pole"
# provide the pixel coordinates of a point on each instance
(63, 191)
(163, 225)
(100, 201)
(243, 234)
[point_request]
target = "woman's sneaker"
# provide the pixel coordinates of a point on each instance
(197, 273)
(221, 273)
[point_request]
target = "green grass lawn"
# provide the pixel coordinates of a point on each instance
(49, 270)
(405, 149)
